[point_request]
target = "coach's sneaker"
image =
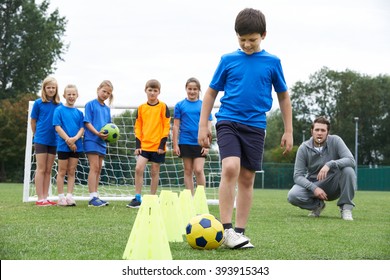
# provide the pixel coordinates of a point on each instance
(134, 203)
(346, 215)
(62, 201)
(96, 202)
(317, 212)
(234, 240)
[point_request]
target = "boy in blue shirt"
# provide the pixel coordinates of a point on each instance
(246, 76)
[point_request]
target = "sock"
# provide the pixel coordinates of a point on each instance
(239, 230)
(138, 197)
(61, 195)
(227, 225)
(69, 195)
(92, 195)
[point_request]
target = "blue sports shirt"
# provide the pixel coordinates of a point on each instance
(189, 114)
(43, 112)
(98, 115)
(70, 120)
(247, 82)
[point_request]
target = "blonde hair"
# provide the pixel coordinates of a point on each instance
(108, 84)
(46, 81)
(71, 86)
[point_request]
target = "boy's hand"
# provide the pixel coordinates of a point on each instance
(204, 137)
(204, 151)
(287, 142)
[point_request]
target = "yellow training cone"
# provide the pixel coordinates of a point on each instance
(169, 202)
(148, 238)
(187, 206)
(200, 201)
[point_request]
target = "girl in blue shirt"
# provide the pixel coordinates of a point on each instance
(97, 114)
(44, 138)
(185, 135)
(68, 123)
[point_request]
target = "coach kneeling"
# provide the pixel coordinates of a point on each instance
(324, 170)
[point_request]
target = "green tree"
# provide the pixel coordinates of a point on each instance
(13, 127)
(342, 96)
(30, 44)
(367, 98)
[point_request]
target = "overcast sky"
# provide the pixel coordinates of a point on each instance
(129, 42)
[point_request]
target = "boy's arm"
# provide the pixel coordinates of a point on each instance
(204, 133)
(166, 127)
(286, 110)
(137, 130)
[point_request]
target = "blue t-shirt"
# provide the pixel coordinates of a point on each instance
(71, 121)
(98, 115)
(43, 112)
(188, 112)
(247, 81)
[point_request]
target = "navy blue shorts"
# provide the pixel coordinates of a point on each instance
(153, 156)
(67, 155)
(190, 151)
(243, 141)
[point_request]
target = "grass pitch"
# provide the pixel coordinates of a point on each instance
(278, 230)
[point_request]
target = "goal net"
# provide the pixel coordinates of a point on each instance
(117, 176)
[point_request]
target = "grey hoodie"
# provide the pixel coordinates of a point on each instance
(309, 161)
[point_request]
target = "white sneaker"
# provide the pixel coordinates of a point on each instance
(317, 212)
(247, 246)
(62, 202)
(346, 215)
(234, 240)
(70, 201)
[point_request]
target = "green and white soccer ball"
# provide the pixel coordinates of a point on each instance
(204, 232)
(113, 132)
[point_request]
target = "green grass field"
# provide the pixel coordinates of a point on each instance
(278, 230)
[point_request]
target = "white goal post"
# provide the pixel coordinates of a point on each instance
(117, 176)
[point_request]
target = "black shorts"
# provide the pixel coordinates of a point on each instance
(44, 149)
(153, 156)
(67, 155)
(190, 151)
(243, 141)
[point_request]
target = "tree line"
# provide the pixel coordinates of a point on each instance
(31, 42)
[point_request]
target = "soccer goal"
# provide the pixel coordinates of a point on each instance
(117, 176)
